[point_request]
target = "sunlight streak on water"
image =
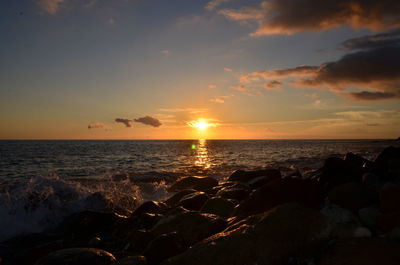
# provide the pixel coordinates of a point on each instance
(202, 157)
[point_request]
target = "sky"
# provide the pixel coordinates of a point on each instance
(212, 69)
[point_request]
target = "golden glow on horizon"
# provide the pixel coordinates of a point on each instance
(201, 124)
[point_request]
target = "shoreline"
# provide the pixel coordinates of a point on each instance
(325, 216)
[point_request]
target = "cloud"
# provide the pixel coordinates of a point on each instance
(165, 52)
(217, 100)
(273, 85)
(387, 39)
(147, 120)
(239, 88)
(188, 110)
(288, 16)
(215, 3)
(50, 6)
(212, 86)
(98, 125)
(226, 69)
(126, 122)
(373, 68)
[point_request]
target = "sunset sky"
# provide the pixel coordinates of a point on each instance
(178, 69)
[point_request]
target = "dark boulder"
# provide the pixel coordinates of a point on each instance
(219, 206)
(353, 196)
(281, 191)
(163, 247)
(150, 207)
(193, 201)
(174, 199)
(389, 197)
(387, 164)
(190, 226)
(246, 176)
(387, 222)
(193, 182)
(365, 251)
(235, 192)
(137, 241)
(78, 256)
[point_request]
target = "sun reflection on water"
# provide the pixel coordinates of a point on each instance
(202, 157)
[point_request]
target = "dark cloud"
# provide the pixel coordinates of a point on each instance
(273, 85)
(126, 122)
(98, 125)
(387, 39)
(147, 120)
(374, 68)
(292, 16)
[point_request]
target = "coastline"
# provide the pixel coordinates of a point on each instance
(325, 216)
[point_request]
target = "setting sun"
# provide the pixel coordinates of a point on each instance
(201, 124)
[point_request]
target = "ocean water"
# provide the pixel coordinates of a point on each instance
(42, 182)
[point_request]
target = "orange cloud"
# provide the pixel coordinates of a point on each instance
(50, 6)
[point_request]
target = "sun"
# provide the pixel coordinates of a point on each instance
(201, 124)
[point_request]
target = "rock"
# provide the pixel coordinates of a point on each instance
(137, 241)
(369, 216)
(350, 231)
(281, 191)
(353, 196)
(190, 226)
(270, 238)
(173, 200)
(150, 207)
(235, 192)
(163, 247)
(389, 221)
(193, 182)
(260, 181)
(339, 215)
(357, 163)
(387, 164)
(389, 197)
(371, 179)
(290, 231)
(138, 222)
(77, 256)
(246, 176)
(394, 234)
(219, 206)
(193, 201)
(131, 260)
(365, 251)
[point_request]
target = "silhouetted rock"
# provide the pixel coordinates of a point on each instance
(190, 226)
(338, 215)
(237, 192)
(219, 206)
(387, 164)
(389, 221)
(163, 247)
(174, 199)
(78, 256)
(389, 197)
(365, 251)
(131, 260)
(150, 207)
(369, 216)
(137, 241)
(194, 182)
(246, 176)
(353, 196)
(193, 201)
(279, 192)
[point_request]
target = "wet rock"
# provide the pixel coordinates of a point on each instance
(150, 207)
(219, 206)
(163, 247)
(371, 179)
(174, 199)
(350, 231)
(247, 176)
(194, 182)
(394, 234)
(387, 164)
(137, 241)
(235, 192)
(290, 231)
(279, 192)
(131, 260)
(353, 196)
(369, 216)
(365, 251)
(389, 221)
(193, 201)
(389, 197)
(78, 256)
(190, 226)
(357, 163)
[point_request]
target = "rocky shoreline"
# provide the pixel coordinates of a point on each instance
(347, 212)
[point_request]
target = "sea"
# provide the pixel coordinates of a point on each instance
(44, 181)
